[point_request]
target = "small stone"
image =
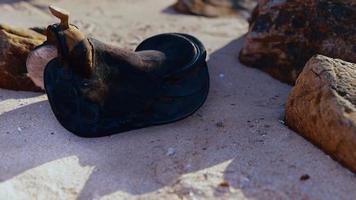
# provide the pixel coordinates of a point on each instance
(171, 152)
(215, 8)
(304, 177)
(244, 182)
(224, 184)
(220, 125)
(205, 175)
(188, 166)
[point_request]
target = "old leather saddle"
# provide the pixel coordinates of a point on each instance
(96, 89)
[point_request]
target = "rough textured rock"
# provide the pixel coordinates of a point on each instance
(215, 8)
(15, 45)
(284, 35)
(321, 107)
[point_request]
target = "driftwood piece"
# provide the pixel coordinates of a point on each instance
(15, 45)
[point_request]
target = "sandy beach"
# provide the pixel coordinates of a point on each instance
(235, 147)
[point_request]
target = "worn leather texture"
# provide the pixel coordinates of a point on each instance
(166, 79)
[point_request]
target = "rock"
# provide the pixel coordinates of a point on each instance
(215, 8)
(15, 45)
(322, 107)
(284, 35)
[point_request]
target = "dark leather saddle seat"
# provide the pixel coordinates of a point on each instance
(164, 80)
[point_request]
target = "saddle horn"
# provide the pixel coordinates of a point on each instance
(61, 14)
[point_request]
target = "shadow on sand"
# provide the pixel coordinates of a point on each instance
(12, 1)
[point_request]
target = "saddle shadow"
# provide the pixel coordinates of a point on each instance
(11, 94)
(136, 162)
(13, 1)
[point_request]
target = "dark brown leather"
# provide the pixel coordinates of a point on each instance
(166, 79)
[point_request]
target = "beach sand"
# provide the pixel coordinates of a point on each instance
(235, 147)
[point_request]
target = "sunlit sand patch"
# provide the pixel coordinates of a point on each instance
(13, 104)
(59, 179)
(203, 184)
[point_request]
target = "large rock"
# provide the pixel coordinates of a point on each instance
(284, 35)
(321, 107)
(215, 8)
(15, 45)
